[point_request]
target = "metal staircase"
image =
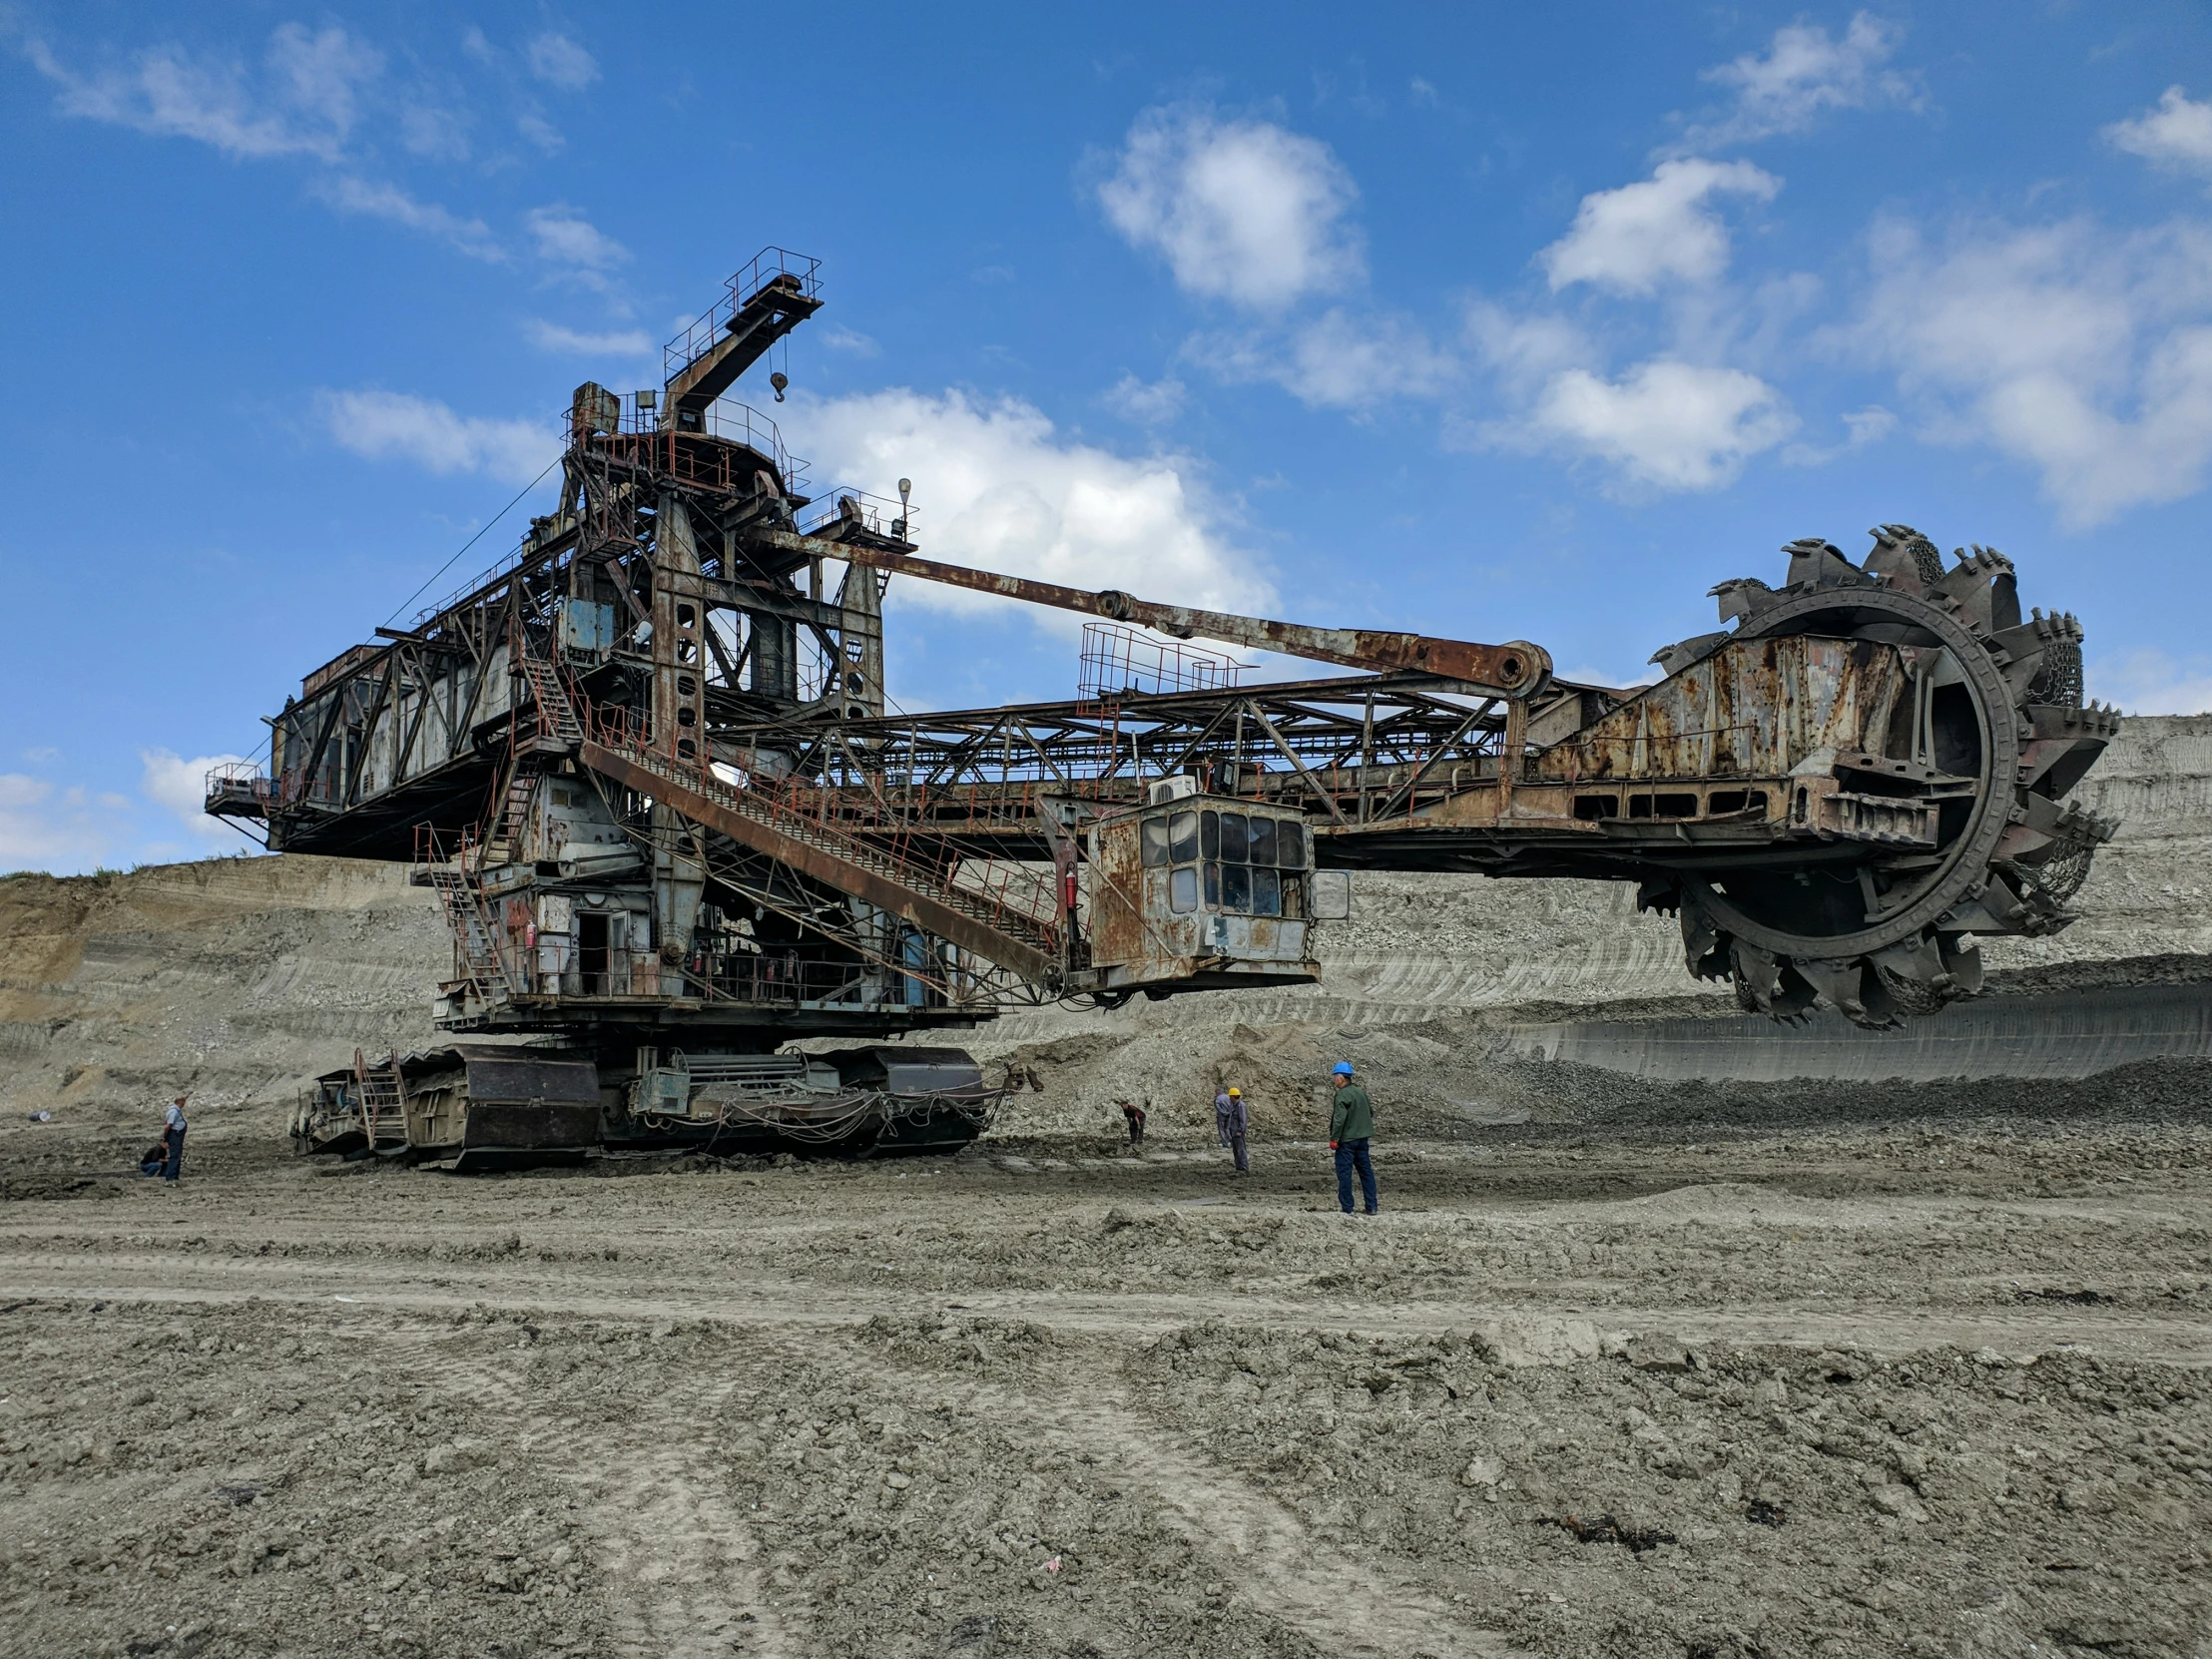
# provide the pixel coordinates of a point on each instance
(383, 1099)
(483, 965)
(556, 715)
(927, 896)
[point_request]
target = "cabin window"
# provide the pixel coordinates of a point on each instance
(1154, 833)
(1267, 892)
(1235, 889)
(1183, 889)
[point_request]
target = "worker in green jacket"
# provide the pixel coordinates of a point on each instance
(1351, 1124)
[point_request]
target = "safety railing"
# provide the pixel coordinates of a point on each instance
(1118, 660)
(769, 266)
(878, 514)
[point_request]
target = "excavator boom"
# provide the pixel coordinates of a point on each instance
(1516, 669)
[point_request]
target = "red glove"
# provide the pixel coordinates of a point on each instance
(1332, 1146)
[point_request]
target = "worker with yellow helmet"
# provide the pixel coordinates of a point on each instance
(1231, 1122)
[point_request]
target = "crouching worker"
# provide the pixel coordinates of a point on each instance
(153, 1158)
(1133, 1114)
(1351, 1126)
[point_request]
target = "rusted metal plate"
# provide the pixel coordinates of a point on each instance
(1752, 710)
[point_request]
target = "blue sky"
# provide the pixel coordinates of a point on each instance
(1491, 321)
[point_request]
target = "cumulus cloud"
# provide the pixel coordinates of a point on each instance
(1632, 238)
(180, 787)
(1805, 73)
(1336, 361)
(560, 62)
(389, 203)
(1242, 211)
(2085, 354)
(998, 487)
(2177, 134)
(386, 425)
(572, 343)
(2149, 681)
(1663, 425)
(304, 102)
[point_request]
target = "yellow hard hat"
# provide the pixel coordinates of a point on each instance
(1236, 1092)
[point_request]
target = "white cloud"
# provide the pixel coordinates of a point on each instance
(560, 62)
(839, 338)
(180, 786)
(1336, 361)
(1525, 349)
(2177, 134)
(551, 337)
(1663, 425)
(1242, 211)
(541, 132)
(382, 425)
(306, 103)
(996, 487)
(2149, 681)
(1631, 239)
(434, 131)
(1861, 427)
(389, 201)
(566, 237)
(36, 832)
(1804, 74)
(2085, 353)
(320, 74)
(1147, 402)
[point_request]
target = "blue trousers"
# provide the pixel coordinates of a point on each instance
(1352, 1155)
(176, 1165)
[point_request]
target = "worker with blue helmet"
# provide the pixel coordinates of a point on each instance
(1350, 1125)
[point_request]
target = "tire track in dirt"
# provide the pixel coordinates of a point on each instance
(2183, 1339)
(684, 1571)
(1268, 1556)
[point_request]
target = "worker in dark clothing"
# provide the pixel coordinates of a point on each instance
(1234, 1121)
(173, 1139)
(1134, 1114)
(1351, 1126)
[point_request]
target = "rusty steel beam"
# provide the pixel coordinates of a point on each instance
(1518, 668)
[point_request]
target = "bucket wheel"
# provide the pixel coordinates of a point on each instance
(1991, 729)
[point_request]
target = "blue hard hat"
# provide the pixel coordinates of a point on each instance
(1342, 1069)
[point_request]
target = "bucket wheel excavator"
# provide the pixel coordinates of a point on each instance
(648, 765)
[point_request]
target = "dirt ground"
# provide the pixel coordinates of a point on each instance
(1681, 1371)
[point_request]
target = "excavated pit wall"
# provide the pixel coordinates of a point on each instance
(240, 979)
